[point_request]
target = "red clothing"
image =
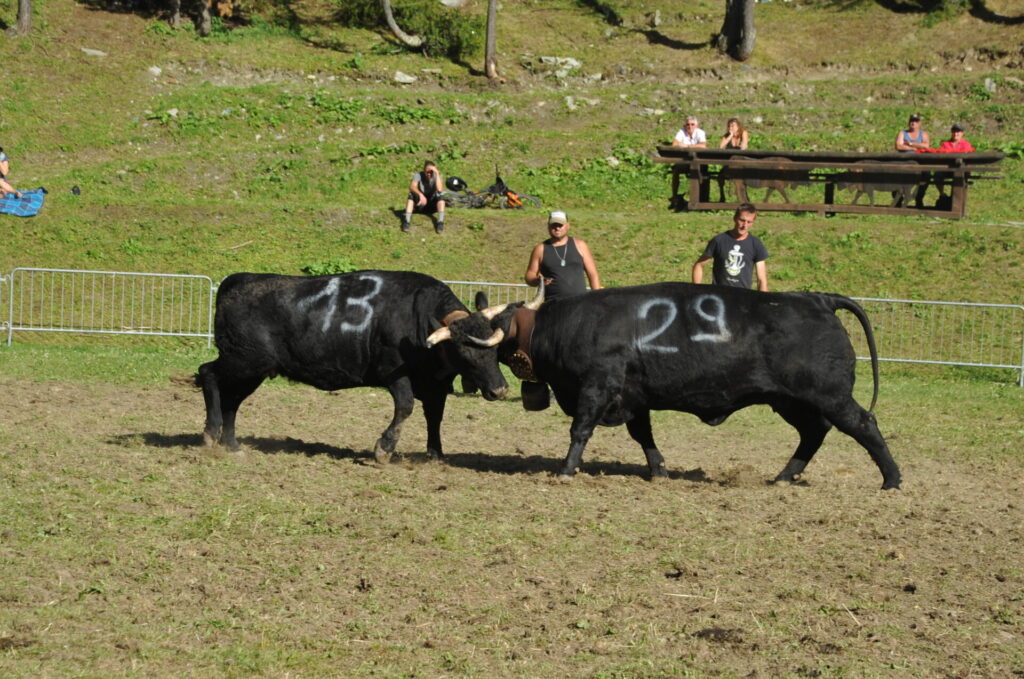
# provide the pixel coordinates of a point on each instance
(962, 146)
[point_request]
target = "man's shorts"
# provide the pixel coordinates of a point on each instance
(428, 209)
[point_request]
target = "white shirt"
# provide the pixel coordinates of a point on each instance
(698, 137)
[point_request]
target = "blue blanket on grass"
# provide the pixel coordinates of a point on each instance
(30, 203)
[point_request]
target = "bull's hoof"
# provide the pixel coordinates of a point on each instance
(435, 456)
(565, 478)
(891, 485)
(380, 455)
(209, 440)
(659, 472)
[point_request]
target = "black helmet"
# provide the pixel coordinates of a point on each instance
(455, 184)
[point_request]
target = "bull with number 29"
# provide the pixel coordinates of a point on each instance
(611, 356)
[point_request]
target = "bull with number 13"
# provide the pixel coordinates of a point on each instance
(401, 330)
(611, 356)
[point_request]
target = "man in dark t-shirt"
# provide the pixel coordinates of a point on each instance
(738, 254)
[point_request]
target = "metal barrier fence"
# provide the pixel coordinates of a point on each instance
(125, 303)
(497, 293)
(109, 303)
(943, 333)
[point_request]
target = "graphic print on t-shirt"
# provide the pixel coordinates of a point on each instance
(734, 262)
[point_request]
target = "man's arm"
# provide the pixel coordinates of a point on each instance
(698, 270)
(761, 269)
(900, 144)
(532, 275)
(414, 188)
(588, 265)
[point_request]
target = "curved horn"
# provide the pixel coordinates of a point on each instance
(439, 335)
(491, 341)
(535, 303)
(492, 311)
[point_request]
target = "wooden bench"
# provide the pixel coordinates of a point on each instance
(902, 179)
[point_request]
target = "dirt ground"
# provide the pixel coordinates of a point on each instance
(127, 549)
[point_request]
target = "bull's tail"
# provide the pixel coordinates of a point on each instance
(840, 302)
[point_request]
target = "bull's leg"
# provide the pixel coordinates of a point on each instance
(812, 428)
(861, 425)
(401, 394)
(591, 404)
(579, 433)
(207, 379)
(640, 429)
(232, 393)
(433, 411)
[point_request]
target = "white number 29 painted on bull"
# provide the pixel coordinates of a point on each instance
(715, 315)
(331, 290)
(644, 343)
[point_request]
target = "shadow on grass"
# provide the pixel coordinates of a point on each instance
(260, 444)
(479, 462)
(535, 464)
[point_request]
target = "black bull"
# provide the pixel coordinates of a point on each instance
(364, 329)
(611, 356)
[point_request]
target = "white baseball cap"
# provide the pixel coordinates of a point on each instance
(557, 217)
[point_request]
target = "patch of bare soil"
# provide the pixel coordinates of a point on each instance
(127, 548)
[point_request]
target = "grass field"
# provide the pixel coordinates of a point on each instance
(127, 549)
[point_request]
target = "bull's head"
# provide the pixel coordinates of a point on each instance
(473, 340)
(470, 346)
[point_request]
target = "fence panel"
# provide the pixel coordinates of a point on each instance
(943, 333)
(5, 306)
(110, 302)
(497, 293)
(127, 303)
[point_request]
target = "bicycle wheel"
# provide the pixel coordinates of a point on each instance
(532, 200)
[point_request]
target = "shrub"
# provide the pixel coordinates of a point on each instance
(448, 32)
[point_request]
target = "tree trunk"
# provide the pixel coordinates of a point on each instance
(737, 35)
(491, 50)
(24, 21)
(175, 13)
(405, 38)
(205, 23)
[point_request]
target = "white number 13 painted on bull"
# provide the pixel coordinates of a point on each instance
(331, 290)
(364, 304)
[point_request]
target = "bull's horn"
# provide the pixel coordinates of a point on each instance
(494, 339)
(439, 335)
(492, 311)
(539, 299)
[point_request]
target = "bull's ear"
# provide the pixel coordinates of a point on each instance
(438, 336)
(480, 301)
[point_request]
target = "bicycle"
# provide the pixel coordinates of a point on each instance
(497, 195)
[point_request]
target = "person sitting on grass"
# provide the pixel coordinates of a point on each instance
(425, 196)
(5, 168)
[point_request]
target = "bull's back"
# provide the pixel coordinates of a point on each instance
(329, 331)
(674, 345)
